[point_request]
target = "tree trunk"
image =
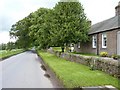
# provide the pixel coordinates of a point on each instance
(62, 49)
(67, 48)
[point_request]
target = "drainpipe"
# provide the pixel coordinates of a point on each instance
(98, 44)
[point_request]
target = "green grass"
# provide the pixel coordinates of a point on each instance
(77, 75)
(5, 53)
(85, 54)
(57, 49)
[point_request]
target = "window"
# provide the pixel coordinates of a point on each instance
(79, 45)
(94, 41)
(104, 40)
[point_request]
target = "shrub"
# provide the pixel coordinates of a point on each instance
(114, 56)
(92, 67)
(103, 54)
(118, 56)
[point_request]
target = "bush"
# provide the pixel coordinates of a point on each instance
(114, 56)
(119, 56)
(103, 54)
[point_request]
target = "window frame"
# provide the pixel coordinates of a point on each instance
(104, 35)
(94, 38)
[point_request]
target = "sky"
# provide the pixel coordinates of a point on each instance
(12, 11)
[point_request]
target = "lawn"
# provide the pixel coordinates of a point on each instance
(77, 75)
(5, 53)
(84, 54)
(57, 49)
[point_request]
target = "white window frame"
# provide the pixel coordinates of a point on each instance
(104, 35)
(94, 40)
(78, 45)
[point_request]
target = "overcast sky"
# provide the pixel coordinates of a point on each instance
(12, 11)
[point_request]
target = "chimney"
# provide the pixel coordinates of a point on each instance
(117, 9)
(90, 22)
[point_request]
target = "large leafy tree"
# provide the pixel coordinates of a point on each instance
(20, 30)
(40, 28)
(71, 23)
(66, 23)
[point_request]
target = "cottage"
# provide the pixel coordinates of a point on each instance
(105, 36)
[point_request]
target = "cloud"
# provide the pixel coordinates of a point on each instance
(5, 37)
(99, 10)
(14, 10)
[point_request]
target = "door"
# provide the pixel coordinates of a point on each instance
(118, 42)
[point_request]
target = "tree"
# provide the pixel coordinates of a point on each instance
(71, 24)
(20, 30)
(10, 46)
(40, 28)
(2, 46)
(66, 23)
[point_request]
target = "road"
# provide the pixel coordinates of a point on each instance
(23, 71)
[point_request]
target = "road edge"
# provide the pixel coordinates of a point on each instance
(54, 79)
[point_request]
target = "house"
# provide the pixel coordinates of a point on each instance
(105, 36)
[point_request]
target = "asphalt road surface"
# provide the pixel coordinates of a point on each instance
(23, 71)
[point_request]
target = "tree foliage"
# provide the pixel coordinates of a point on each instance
(71, 23)
(20, 30)
(66, 23)
(8, 46)
(40, 27)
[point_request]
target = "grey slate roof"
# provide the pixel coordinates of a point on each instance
(106, 25)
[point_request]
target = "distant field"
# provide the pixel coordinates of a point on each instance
(6, 53)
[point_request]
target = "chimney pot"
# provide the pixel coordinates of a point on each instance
(90, 22)
(117, 9)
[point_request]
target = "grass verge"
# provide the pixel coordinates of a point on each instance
(84, 54)
(57, 49)
(5, 54)
(77, 75)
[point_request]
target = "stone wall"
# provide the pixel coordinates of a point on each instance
(107, 65)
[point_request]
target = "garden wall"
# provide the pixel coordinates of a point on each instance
(107, 65)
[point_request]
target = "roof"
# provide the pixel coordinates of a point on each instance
(106, 25)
